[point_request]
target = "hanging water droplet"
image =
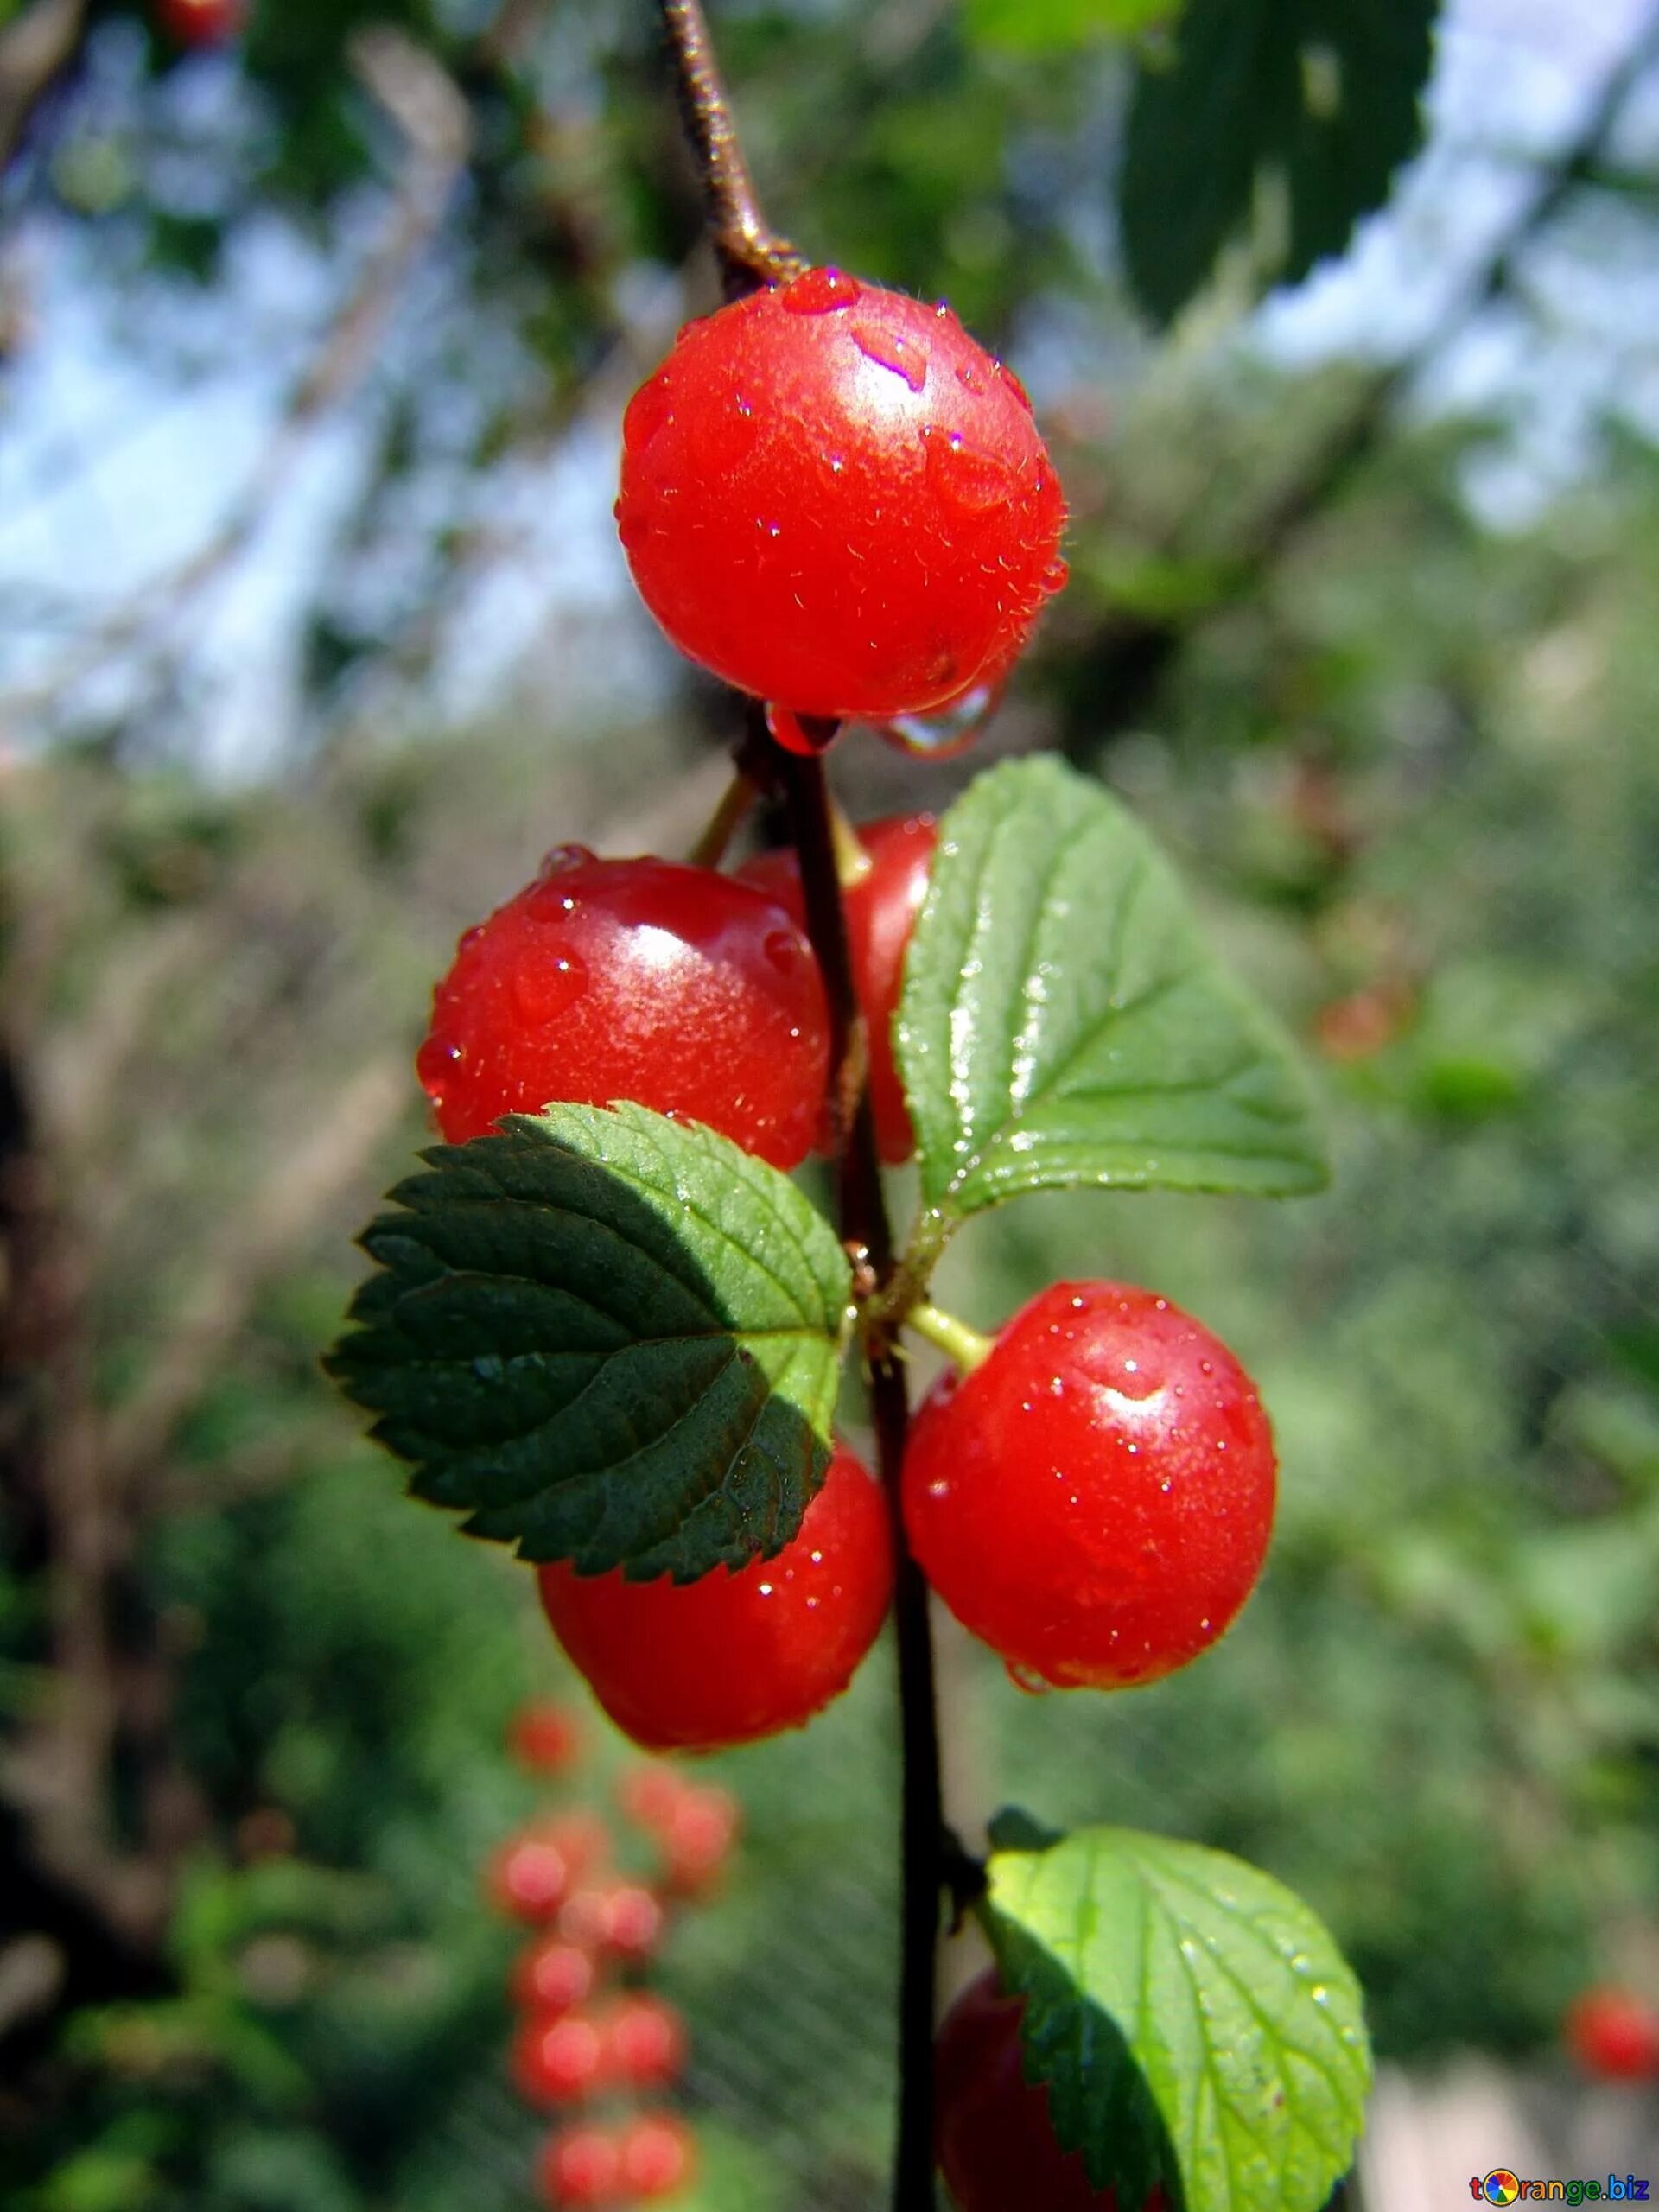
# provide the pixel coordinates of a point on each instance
(1027, 1679)
(805, 734)
(947, 730)
(892, 349)
(560, 857)
(820, 291)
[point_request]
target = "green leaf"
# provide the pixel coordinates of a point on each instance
(609, 1338)
(1046, 26)
(1062, 1024)
(1194, 2021)
(1284, 117)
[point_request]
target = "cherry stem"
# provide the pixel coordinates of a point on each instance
(862, 1213)
(725, 822)
(750, 252)
(968, 1348)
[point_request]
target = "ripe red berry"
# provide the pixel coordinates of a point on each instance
(881, 909)
(696, 1839)
(545, 1738)
(994, 2138)
(836, 500)
(580, 2165)
(199, 22)
(1094, 1500)
(553, 1976)
(559, 2060)
(623, 1918)
(1615, 2034)
(529, 1877)
(645, 2042)
(739, 1655)
(657, 2156)
(677, 988)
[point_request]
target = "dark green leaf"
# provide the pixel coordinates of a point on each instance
(1286, 117)
(606, 1337)
(1195, 2023)
(1036, 26)
(1062, 1023)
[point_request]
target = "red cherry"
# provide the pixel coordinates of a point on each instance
(735, 1656)
(528, 1878)
(645, 2042)
(553, 1976)
(580, 2165)
(834, 499)
(623, 1918)
(199, 22)
(1615, 2034)
(657, 2156)
(881, 909)
(677, 988)
(546, 1738)
(993, 2135)
(698, 1838)
(1095, 1500)
(559, 2060)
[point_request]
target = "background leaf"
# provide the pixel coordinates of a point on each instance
(1062, 1023)
(1291, 115)
(609, 1338)
(1038, 26)
(1183, 2006)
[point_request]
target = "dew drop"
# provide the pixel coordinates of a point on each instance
(561, 857)
(783, 949)
(1014, 385)
(1056, 576)
(805, 734)
(892, 349)
(1027, 1679)
(973, 378)
(543, 989)
(632, 526)
(820, 291)
(947, 730)
(649, 411)
(967, 477)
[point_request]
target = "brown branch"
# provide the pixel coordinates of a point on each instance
(35, 49)
(749, 251)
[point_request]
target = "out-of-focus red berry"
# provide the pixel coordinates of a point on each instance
(645, 2041)
(882, 909)
(623, 1918)
(657, 2156)
(1614, 2033)
(696, 1839)
(651, 1794)
(1094, 1500)
(733, 1657)
(553, 1976)
(994, 2138)
(838, 501)
(582, 1835)
(529, 1877)
(580, 2165)
(558, 2060)
(546, 1738)
(200, 22)
(677, 988)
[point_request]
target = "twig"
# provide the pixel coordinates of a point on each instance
(35, 48)
(749, 251)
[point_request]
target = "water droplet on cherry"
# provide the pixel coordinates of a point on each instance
(968, 478)
(821, 291)
(892, 349)
(806, 734)
(1027, 1679)
(947, 730)
(544, 990)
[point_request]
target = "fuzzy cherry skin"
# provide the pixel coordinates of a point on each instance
(834, 499)
(735, 1656)
(1094, 1500)
(681, 989)
(994, 2139)
(1614, 2034)
(882, 909)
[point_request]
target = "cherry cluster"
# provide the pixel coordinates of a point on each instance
(834, 499)
(588, 2031)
